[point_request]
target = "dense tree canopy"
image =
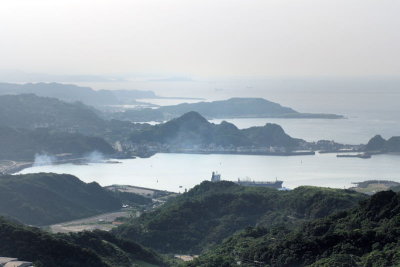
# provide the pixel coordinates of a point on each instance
(46, 198)
(97, 248)
(191, 129)
(210, 212)
(367, 235)
(23, 144)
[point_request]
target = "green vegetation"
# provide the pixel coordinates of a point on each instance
(210, 212)
(367, 235)
(231, 108)
(32, 124)
(378, 143)
(30, 111)
(46, 198)
(23, 144)
(191, 129)
(98, 248)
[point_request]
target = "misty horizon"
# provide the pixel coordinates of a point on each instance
(202, 39)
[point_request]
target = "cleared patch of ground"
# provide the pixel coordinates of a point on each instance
(146, 192)
(186, 257)
(104, 222)
(107, 221)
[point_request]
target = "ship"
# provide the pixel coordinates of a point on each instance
(216, 177)
(361, 156)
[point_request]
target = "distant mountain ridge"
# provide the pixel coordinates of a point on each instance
(192, 129)
(31, 124)
(73, 93)
(28, 111)
(23, 144)
(231, 108)
(31, 111)
(222, 109)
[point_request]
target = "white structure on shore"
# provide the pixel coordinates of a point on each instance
(215, 177)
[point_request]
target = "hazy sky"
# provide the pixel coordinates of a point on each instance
(202, 37)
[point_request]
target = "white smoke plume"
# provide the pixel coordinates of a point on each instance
(95, 157)
(43, 159)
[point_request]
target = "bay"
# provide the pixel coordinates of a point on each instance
(177, 172)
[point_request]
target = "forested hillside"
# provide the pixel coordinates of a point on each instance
(23, 144)
(367, 235)
(32, 124)
(46, 198)
(192, 129)
(210, 212)
(30, 111)
(97, 248)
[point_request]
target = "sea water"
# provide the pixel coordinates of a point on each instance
(177, 172)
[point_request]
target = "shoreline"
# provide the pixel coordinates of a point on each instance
(279, 154)
(16, 166)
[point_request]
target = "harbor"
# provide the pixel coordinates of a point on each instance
(177, 172)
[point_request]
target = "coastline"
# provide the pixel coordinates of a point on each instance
(15, 166)
(283, 116)
(298, 153)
